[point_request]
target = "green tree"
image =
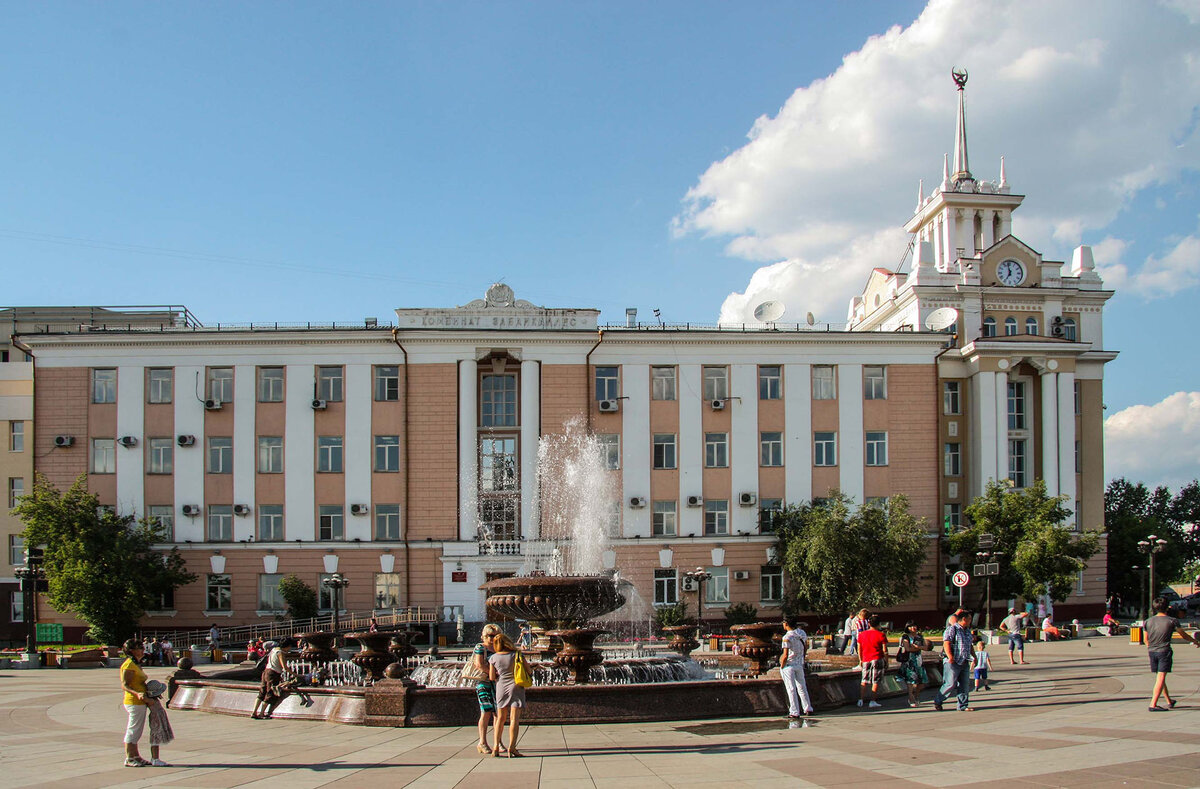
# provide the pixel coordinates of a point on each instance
(99, 566)
(741, 614)
(836, 557)
(1132, 512)
(1038, 556)
(301, 599)
(671, 615)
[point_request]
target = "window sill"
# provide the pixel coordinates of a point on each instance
(225, 614)
(271, 612)
(169, 612)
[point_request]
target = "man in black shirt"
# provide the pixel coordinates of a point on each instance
(1159, 630)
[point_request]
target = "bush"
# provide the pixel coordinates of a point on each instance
(301, 599)
(741, 614)
(671, 615)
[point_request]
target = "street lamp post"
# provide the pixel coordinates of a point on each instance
(335, 584)
(31, 577)
(699, 575)
(1150, 546)
(987, 568)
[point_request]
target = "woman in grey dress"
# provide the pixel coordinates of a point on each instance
(510, 697)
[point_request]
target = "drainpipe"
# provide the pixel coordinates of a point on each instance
(587, 379)
(407, 478)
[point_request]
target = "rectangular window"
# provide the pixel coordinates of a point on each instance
(716, 383)
(16, 549)
(270, 523)
(270, 384)
(952, 517)
(219, 592)
(824, 449)
(387, 383)
(16, 436)
(951, 398)
(220, 455)
(498, 470)
(1016, 405)
(387, 590)
(1078, 400)
(387, 521)
(666, 587)
(716, 590)
(664, 450)
(164, 601)
(387, 453)
(662, 520)
(1078, 464)
(610, 447)
(269, 598)
(270, 454)
(1016, 462)
(498, 515)
(498, 401)
(716, 450)
(771, 449)
(104, 456)
(330, 522)
(770, 513)
(16, 489)
(160, 385)
(220, 523)
(876, 502)
(874, 382)
(952, 459)
(770, 382)
(162, 455)
(16, 604)
(608, 383)
(329, 454)
(877, 450)
(716, 517)
(662, 380)
(104, 386)
(162, 518)
(220, 384)
(329, 384)
(824, 383)
(770, 584)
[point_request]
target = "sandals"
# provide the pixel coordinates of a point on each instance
(483, 748)
(136, 762)
(513, 753)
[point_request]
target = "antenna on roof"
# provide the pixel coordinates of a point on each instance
(810, 319)
(769, 311)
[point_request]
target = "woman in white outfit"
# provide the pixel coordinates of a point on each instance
(791, 662)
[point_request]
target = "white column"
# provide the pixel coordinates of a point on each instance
(299, 455)
(131, 421)
(189, 461)
(468, 450)
(245, 447)
(1050, 470)
(1002, 429)
(851, 449)
(1066, 437)
(635, 448)
(797, 418)
(983, 449)
(690, 450)
(531, 421)
(359, 450)
(744, 447)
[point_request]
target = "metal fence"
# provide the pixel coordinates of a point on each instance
(283, 628)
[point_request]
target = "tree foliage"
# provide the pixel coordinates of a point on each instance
(671, 615)
(1038, 555)
(837, 558)
(1132, 512)
(741, 614)
(300, 598)
(99, 566)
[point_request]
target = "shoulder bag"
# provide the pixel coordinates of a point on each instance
(471, 671)
(521, 672)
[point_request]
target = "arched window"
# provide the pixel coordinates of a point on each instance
(989, 327)
(1031, 326)
(1010, 326)
(1069, 329)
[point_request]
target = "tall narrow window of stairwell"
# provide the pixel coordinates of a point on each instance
(499, 481)
(978, 233)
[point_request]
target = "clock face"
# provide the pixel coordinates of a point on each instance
(1010, 272)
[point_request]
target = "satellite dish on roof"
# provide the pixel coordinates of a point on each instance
(769, 311)
(942, 318)
(810, 319)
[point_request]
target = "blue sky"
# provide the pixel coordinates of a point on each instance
(307, 161)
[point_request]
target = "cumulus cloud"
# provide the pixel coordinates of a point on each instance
(1089, 102)
(1157, 444)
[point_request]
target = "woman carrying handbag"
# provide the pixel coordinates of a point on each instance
(477, 669)
(511, 675)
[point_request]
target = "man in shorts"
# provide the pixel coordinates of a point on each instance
(872, 651)
(1159, 630)
(1014, 624)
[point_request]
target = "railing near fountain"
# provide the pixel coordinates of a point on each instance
(626, 671)
(499, 547)
(341, 672)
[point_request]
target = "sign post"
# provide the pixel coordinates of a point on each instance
(960, 579)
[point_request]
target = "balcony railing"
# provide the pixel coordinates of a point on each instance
(499, 547)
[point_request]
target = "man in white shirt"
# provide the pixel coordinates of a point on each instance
(791, 662)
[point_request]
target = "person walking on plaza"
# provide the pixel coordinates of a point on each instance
(525, 640)
(956, 664)
(510, 696)
(485, 690)
(854, 625)
(1014, 624)
(133, 683)
(1159, 630)
(214, 642)
(912, 669)
(872, 654)
(981, 663)
(791, 667)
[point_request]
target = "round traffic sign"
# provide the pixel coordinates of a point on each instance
(961, 578)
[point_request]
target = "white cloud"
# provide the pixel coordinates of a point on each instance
(1089, 102)
(1177, 270)
(1157, 444)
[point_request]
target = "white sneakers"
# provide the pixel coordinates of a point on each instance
(874, 705)
(860, 702)
(158, 763)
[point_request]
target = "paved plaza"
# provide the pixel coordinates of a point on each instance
(1075, 717)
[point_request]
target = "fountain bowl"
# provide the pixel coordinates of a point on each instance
(555, 602)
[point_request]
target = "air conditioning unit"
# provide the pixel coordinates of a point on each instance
(185, 441)
(127, 441)
(718, 405)
(212, 405)
(241, 509)
(319, 405)
(191, 510)
(359, 509)
(610, 406)
(688, 584)
(747, 499)
(741, 575)
(1057, 320)
(637, 502)
(1058, 331)
(64, 441)
(695, 501)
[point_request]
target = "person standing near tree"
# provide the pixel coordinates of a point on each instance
(1159, 630)
(791, 667)
(912, 669)
(1014, 624)
(956, 664)
(872, 655)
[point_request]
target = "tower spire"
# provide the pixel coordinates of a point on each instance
(962, 170)
(920, 193)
